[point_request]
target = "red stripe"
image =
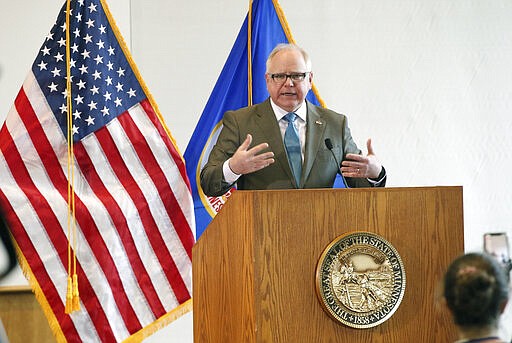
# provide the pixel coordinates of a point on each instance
(121, 225)
(38, 269)
(157, 243)
(179, 221)
(84, 219)
(166, 194)
(59, 242)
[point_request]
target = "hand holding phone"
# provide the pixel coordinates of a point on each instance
(496, 244)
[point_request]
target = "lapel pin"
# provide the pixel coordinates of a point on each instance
(318, 122)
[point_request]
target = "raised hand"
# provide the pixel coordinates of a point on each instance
(362, 166)
(248, 160)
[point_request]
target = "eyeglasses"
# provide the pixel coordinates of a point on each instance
(295, 77)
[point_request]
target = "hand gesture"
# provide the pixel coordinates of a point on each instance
(362, 166)
(246, 160)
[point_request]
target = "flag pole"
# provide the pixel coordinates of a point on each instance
(249, 55)
(72, 296)
(288, 33)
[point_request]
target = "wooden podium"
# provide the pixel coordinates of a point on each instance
(254, 266)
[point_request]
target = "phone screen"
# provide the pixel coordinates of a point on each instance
(496, 244)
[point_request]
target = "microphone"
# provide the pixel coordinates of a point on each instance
(329, 146)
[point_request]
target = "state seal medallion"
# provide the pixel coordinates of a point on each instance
(360, 279)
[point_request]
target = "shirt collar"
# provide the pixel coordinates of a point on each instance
(280, 113)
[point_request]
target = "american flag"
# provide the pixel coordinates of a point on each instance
(134, 209)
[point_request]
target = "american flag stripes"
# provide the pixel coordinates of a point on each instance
(134, 210)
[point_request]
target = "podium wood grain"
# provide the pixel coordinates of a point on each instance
(254, 266)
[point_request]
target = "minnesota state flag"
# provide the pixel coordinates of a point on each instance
(241, 83)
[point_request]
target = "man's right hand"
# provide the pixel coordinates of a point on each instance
(246, 160)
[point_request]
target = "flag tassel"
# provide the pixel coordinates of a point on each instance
(69, 297)
(76, 297)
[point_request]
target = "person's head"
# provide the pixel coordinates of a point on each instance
(476, 290)
(288, 76)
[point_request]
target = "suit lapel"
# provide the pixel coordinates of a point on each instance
(314, 134)
(266, 120)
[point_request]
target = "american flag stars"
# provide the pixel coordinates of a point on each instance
(102, 83)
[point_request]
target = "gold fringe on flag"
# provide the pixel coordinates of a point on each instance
(161, 322)
(40, 297)
(128, 55)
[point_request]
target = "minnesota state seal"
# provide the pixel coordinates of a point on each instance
(360, 279)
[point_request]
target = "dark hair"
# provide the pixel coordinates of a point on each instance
(475, 286)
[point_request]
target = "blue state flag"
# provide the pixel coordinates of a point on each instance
(241, 83)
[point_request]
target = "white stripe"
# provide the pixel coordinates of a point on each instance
(90, 265)
(179, 188)
(129, 210)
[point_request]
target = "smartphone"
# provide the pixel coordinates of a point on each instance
(496, 244)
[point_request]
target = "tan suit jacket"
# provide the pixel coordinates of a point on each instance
(319, 168)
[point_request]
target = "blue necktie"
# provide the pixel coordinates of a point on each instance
(292, 145)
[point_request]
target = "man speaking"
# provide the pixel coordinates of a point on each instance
(286, 142)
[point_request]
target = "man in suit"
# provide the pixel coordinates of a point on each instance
(252, 150)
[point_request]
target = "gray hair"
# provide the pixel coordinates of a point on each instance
(289, 46)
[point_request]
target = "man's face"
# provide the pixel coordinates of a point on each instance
(288, 94)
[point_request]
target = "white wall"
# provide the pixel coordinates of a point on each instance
(429, 81)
